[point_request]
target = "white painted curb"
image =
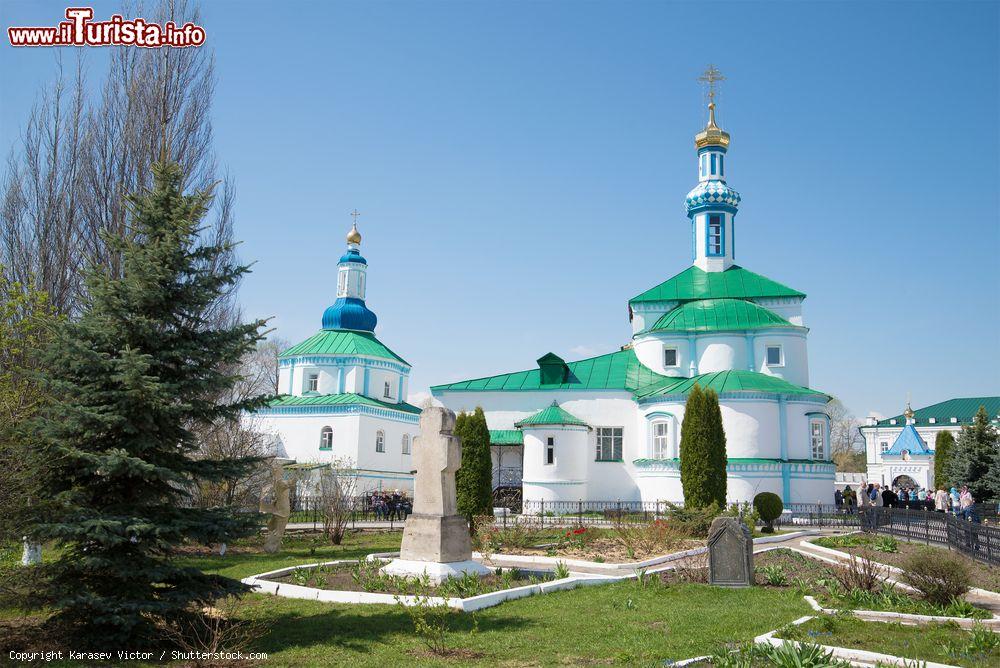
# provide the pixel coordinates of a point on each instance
(265, 586)
(907, 618)
(501, 559)
(855, 655)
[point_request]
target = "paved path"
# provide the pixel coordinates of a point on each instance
(318, 526)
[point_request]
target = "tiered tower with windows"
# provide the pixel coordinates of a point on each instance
(712, 204)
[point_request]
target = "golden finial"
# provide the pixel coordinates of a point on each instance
(354, 237)
(908, 413)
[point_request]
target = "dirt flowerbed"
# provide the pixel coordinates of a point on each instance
(983, 576)
(623, 544)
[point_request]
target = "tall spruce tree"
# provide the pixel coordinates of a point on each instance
(129, 380)
(703, 450)
(944, 443)
(974, 454)
(474, 479)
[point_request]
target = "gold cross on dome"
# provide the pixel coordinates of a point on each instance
(354, 215)
(710, 77)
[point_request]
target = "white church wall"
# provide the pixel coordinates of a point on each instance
(721, 352)
(650, 349)
(789, 308)
(393, 458)
(300, 435)
(795, 363)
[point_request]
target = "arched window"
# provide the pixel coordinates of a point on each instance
(406, 444)
(380, 441)
(661, 440)
(388, 390)
(326, 438)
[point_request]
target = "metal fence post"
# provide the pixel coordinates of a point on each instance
(579, 512)
(541, 512)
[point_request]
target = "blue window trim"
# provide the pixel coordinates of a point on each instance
(715, 162)
(722, 235)
(722, 171)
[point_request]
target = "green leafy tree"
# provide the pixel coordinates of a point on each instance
(27, 321)
(703, 450)
(130, 381)
(944, 443)
(973, 457)
(474, 479)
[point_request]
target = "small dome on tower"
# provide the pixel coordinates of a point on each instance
(712, 135)
(354, 237)
(711, 192)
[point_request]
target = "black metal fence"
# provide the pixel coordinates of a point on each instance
(309, 510)
(595, 513)
(970, 537)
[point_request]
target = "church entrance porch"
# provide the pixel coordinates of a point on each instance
(905, 481)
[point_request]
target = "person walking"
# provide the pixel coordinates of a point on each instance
(888, 497)
(941, 500)
(838, 499)
(966, 502)
(956, 501)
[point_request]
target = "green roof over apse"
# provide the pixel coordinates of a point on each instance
(961, 409)
(729, 382)
(343, 342)
(506, 437)
(708, 315)
(551, 415)
(345, 399)
(736, 282)
(614, 371)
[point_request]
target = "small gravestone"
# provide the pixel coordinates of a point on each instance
(730, 553)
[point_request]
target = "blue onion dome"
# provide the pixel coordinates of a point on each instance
(711, 192)
(352, 255)
(349, 313)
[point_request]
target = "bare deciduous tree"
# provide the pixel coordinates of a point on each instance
(338, 490)
(66, 182)
(846, 441)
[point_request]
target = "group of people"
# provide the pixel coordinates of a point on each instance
(390, 505)
(957, 501)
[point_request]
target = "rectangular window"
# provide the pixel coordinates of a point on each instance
(661, 440)
(388, 391)
(314, 382)
(774, 357)
(406, 444)
(715, 235)
(550, 450)
(713, 163)
(722, 170)
(702, 164)
(817, 438)
(609, 444)
(342, 283)
(670, 357)
(379, 441)
(884, 446)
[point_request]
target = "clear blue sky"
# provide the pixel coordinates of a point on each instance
(521, 170)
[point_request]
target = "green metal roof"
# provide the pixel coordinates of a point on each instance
(614, 371)
(706, 315)
(347, 398)
(550, 415)
(736, 282)
(506, 437)
(963, 409)
(728, 382)
(343, 342)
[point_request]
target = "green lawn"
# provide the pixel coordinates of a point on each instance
(942, 643)
(622, 623)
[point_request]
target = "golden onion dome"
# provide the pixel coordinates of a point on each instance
(354, 237)
(712, 135)
(908, 413)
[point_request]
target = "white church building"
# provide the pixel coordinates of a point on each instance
(343, 392)
(900, 449)
(609, 427)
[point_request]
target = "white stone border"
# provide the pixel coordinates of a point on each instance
(985, 593)
(857, 656)
(499, 559)
(907, 618)
(262, 585)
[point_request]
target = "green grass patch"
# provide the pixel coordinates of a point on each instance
(942, 643)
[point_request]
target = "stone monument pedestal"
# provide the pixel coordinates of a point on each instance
(436, 539)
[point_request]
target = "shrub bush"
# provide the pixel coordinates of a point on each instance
(693, 522)
(861, 573)
(937, 575)
(769, 507)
